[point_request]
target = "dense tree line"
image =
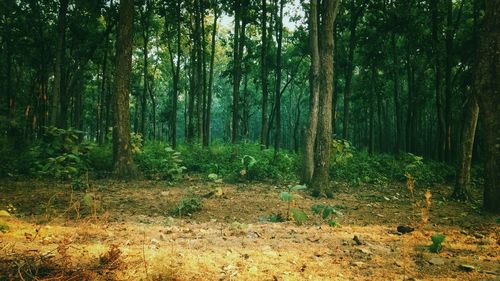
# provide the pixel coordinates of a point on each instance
(390, 76)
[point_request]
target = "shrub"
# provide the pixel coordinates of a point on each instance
(159, 161)
(101, 160)
(187, 206)
(60, 154)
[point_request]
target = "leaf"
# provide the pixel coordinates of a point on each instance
(88, 200)
(298, 187)
(327, 212)
(437, 240)
(213, 177)
(332, 223)
(286, 196)
(299, 216)
(317, 208)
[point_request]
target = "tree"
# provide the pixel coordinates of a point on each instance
(487, 84)
(320, 177)
(124, 166)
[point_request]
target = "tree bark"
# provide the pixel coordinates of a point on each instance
(321, 176)
(487, 84)
(56, 119)
(123, 164)
(397, 102)
(263, 77)
(236, 73)
(211, 78)
(277, 95)
(311, 129)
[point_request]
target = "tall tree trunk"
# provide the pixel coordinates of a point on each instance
(263, 77)
(441, 130)
(447, 77)
(354, 15)
(487, 85)
(211, 77)
(277, 95)
(397, 102)
(123, 164)
(311, 129)
(321, 176)
(56, 119)
(236, 72)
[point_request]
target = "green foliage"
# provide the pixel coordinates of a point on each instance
(273, 218)
(341, 151)
(4, 227)
(101, 160)
(61, 155)
(299, 216)
(326, 213)
(159, 161)
(187, 206)
(288, 196)
(136, 142)
(240, 162)
(381, 169)
(437, 239)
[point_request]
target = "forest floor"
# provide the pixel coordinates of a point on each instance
(125, 233)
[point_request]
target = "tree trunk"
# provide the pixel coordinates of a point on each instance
(321, 176)
(59, 65)
(354, 15)
(211, 78)
(471, 113)
(311, 129)
(487, 85)
(123, 164)
(277, 95)
(236, 72)
(397, 102)
(447, 77)
(263, 77)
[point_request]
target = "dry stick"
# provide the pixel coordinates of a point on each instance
(144, 253)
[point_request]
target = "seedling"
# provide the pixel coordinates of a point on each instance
(327, 213)
(437, 240)
(289, 196)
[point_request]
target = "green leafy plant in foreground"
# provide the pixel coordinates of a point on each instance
(327, 213)
(289, 196)
(437, 241)
(4, 227)
(188, 205)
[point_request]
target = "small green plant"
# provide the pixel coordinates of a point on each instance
(437, 241)
(187, 206)
(327, 213)
(273, 218)
(158, 161)
(4, 227)
(289, 196)
(248, 163)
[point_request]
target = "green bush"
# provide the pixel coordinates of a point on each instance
(60, 154)
(240, 162)
(159, 161)
(101, 160)
(187, 206)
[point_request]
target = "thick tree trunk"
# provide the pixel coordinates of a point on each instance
(311, 129)
(321, 176)
(487, 85)
(123, 164)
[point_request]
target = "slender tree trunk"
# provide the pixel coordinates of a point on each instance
(311, 129)
(236, 72)
(211, 78)
(487, 85)
(263, 77)
(145, 38)
(471, 113)
(59, 86)
(321, 176)
(397, 102)
(123, 164)
(448, 71)
(277, 95)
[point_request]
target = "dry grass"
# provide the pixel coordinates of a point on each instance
(133, 242)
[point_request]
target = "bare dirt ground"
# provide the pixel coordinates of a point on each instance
(127, 233)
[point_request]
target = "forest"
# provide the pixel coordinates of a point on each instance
(249, 139)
